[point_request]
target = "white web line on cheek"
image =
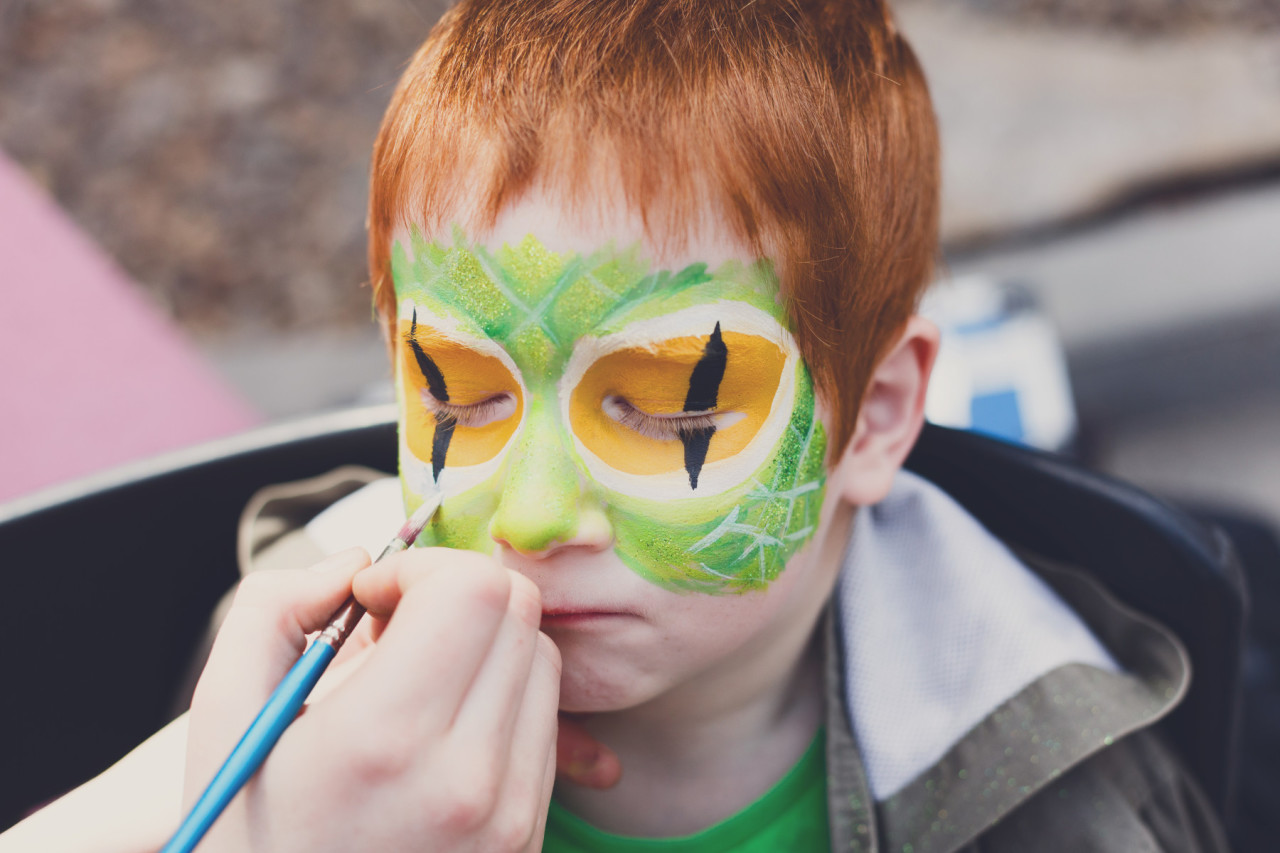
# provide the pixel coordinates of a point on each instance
(715, 535)
(787, 494)
(761, 541)
(712, 571)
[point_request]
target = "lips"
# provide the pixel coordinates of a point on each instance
(567, 616)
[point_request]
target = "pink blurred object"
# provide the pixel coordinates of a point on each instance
(91, 374)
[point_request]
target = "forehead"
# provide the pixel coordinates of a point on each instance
(542, 278)
(583, 227)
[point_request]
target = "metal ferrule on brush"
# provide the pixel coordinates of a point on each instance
(397, 545)
(341, 625)
(346, 618)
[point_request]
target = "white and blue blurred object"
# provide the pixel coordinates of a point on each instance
(1001, 370)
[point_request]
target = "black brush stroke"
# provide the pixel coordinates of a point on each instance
(696, 444)
(440, 443)
(704, 388)
(437, 388)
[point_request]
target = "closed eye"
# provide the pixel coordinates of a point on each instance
(491, 410)
(666, 427)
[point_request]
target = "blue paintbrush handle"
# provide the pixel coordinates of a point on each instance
(285, 702)
(281, 710)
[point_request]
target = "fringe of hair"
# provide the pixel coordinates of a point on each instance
(804, 127)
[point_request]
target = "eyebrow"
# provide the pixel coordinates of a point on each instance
(704, 390)
(443, 434)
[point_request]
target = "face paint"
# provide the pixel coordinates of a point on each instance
(537, 387)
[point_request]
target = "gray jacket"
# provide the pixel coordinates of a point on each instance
(1069, 763)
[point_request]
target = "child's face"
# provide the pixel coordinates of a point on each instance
(636, 433)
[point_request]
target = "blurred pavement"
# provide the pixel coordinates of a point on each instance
(1045, 122)
(1171, 321)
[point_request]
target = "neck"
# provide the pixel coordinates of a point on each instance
(706, 749)
(694, 763)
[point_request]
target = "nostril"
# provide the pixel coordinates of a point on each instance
(594, 533)
(530, 532)
(523, 552)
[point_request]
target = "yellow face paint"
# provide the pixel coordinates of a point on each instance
(683, 405)
(474, 380)
(654, 380)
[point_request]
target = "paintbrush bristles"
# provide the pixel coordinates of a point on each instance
(419, 519)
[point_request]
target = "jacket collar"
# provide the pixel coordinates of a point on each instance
(1028, 741)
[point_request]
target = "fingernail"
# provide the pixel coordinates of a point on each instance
(579, 769)
(583, 762)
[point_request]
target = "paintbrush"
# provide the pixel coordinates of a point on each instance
(285, 702)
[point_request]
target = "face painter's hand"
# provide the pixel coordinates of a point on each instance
(583, 760)
(441, 737)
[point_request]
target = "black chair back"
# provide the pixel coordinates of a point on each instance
(110, 584)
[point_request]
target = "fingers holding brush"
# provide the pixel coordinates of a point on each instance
(260, 640)
(442, 737)
(264, 633)
(443, 611)
(471, 687)
(481, 700)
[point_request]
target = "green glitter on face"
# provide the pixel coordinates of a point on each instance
(537, 305)
(741, 540)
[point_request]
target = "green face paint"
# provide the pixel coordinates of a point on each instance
(672, 404)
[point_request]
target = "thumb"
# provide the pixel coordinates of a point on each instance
(583, 760)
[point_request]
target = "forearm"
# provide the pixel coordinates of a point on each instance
(132, 806)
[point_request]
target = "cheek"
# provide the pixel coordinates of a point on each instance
(738, 541)
(462, 521)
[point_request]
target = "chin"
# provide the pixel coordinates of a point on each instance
(597, 687)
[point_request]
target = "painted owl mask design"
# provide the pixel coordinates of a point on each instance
(673, 402)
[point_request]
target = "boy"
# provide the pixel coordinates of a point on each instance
(648, 270)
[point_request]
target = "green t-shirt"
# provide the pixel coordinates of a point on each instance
(791, 816)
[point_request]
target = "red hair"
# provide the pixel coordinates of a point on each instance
(802, 126)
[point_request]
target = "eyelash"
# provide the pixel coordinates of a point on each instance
(660, 427)
(496, 408)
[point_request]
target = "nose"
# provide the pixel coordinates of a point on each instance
(544, 505)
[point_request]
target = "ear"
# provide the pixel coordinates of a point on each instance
(890, 419)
